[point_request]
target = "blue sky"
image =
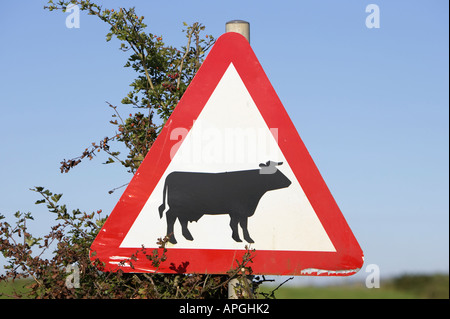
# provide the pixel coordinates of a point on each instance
(371, 105)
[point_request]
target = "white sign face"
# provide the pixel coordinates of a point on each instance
(230, 135)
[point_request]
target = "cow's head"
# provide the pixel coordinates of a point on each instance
(274, 179)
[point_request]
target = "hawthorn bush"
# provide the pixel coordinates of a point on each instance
(163, 73)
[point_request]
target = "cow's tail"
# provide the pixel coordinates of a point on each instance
(163, 206)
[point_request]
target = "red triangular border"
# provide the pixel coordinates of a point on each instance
(231, 48)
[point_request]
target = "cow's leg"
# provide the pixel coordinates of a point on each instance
(234, 227)
(243, 223)
(184, 227)
(171, 218)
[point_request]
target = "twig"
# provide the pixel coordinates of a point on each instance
(112, 190)
(191, 31)
(153, 284)
(115, 110)
(272, 293)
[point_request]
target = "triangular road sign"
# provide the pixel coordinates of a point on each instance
(229, 170)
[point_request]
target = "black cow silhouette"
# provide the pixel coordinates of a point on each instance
(190, 195)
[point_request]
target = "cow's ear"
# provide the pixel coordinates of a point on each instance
(262, 165)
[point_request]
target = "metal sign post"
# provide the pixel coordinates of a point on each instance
(241, 27)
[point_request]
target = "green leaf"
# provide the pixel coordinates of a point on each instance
(47, 192)
(40, 201)
(32, 241)
(110, 160)
(56, 197)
